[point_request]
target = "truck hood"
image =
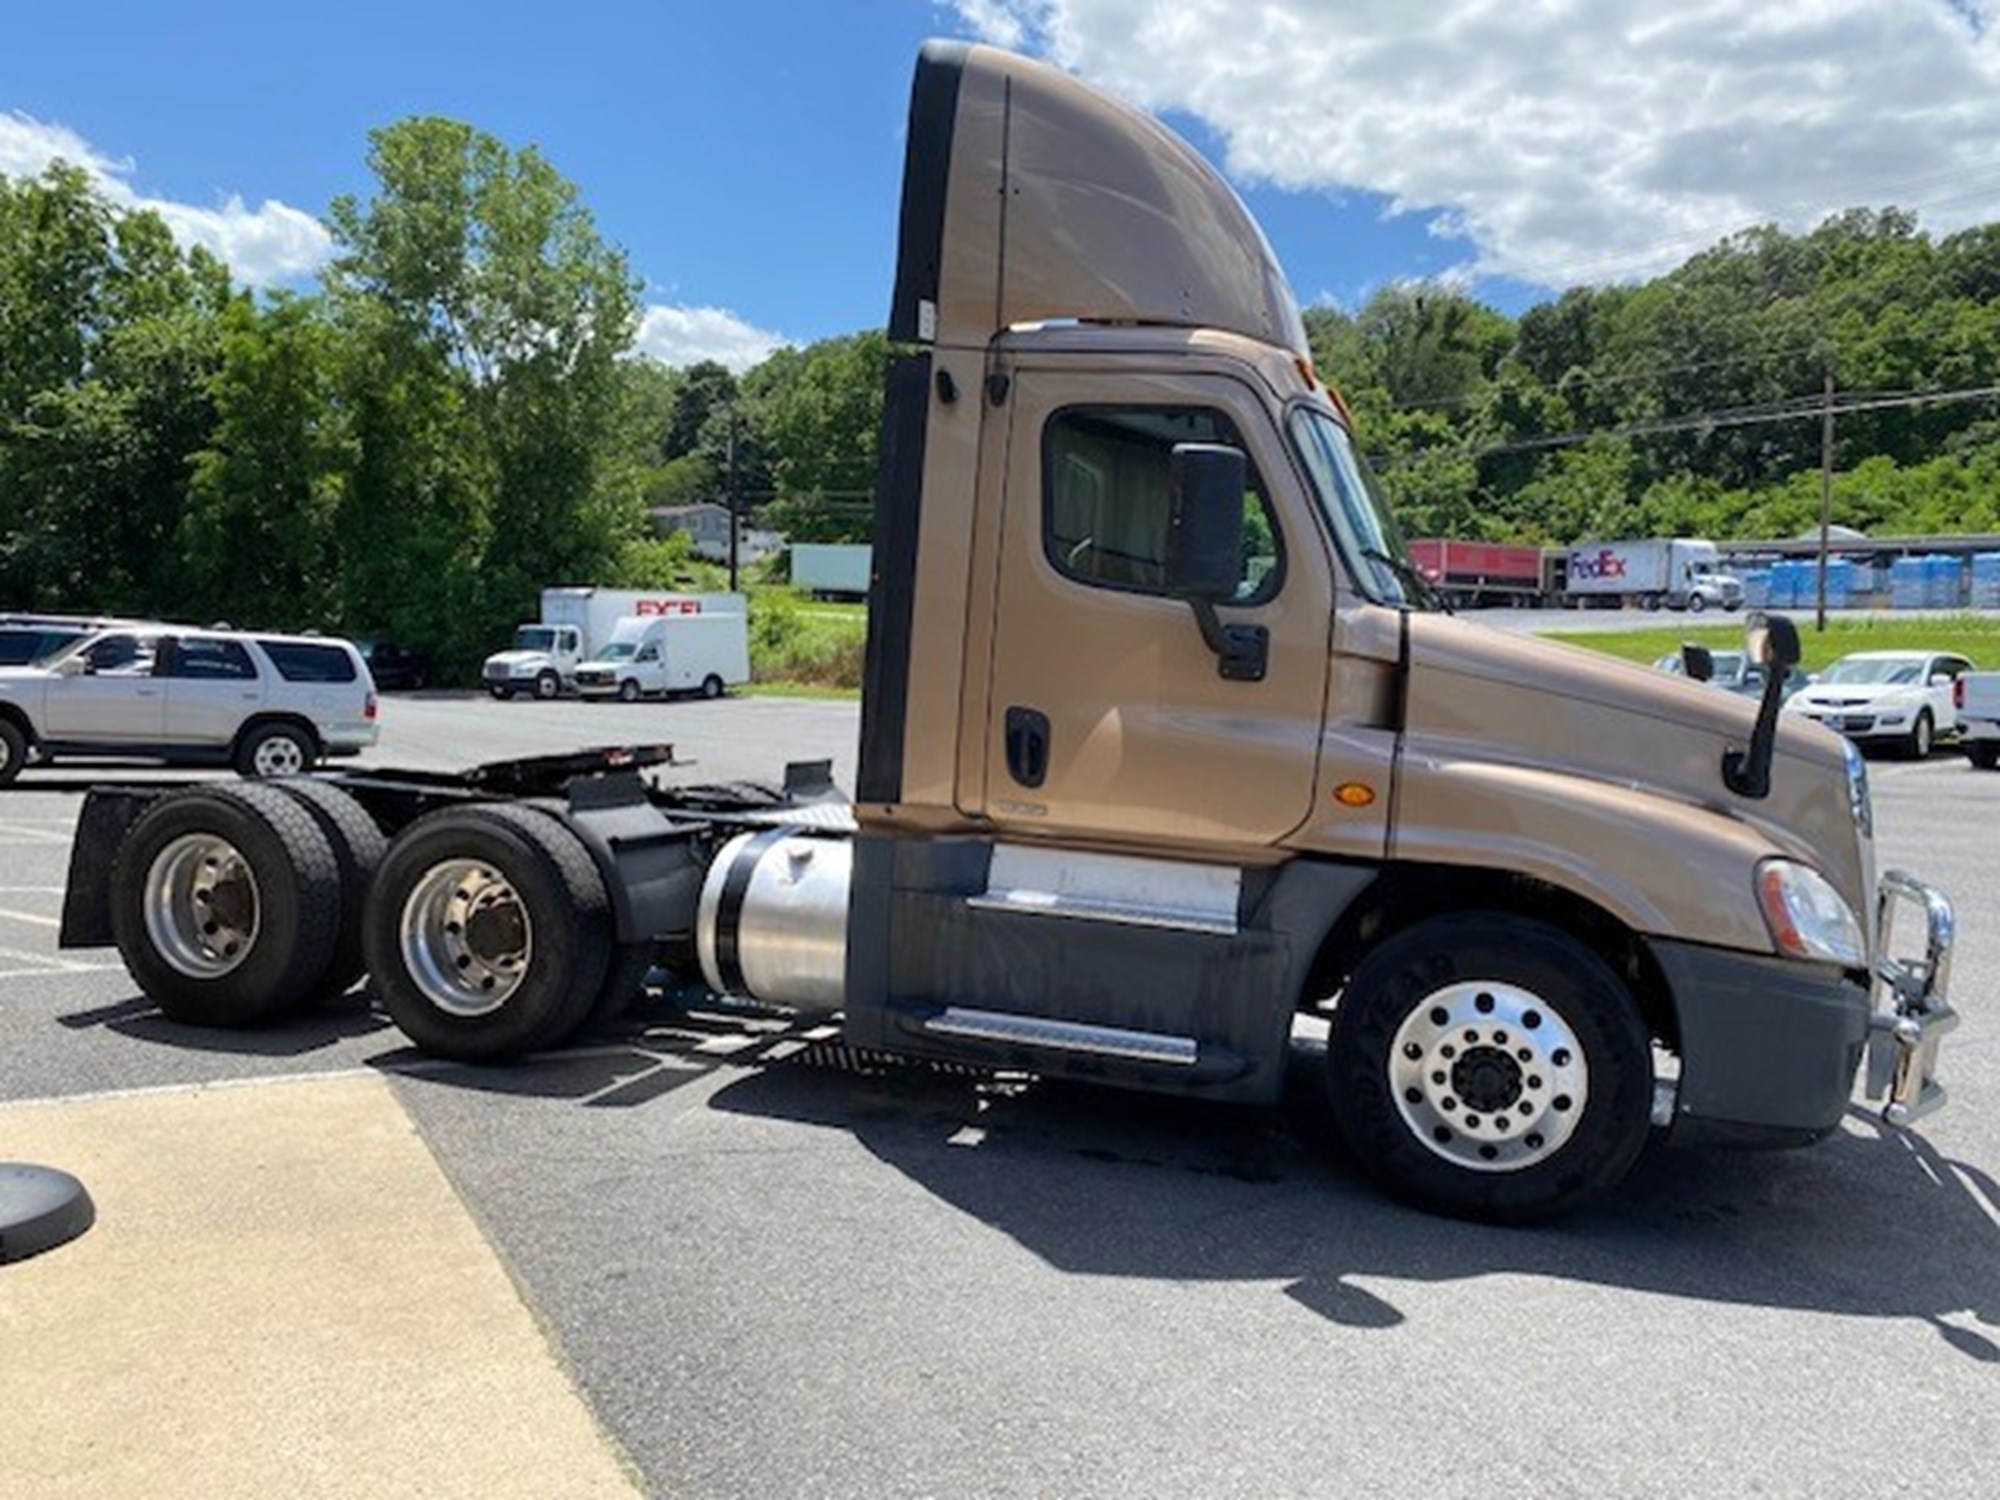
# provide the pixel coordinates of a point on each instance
(513, 659)
(1486, 694)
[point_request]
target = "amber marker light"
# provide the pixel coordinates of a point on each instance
(1353, 794)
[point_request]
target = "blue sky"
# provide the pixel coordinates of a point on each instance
(747, 156)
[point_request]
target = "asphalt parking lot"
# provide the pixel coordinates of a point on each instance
(766, 1267)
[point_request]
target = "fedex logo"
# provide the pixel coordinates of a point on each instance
(1607, 564)
(667, 607)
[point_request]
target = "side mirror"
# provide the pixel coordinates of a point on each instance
(1698, 662)
(1204, 560)
(1205, 522)
(74, 666)
(1772, 641)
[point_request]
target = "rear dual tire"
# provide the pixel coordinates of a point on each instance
(488, 932)
(227, 905)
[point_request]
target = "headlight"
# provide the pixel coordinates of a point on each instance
(1857, 792)
(1806, 915)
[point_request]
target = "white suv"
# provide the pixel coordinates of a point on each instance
(271, 705)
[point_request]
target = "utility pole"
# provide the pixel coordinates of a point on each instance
(729, 486)
(1825, 492)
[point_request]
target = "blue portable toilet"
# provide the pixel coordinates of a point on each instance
(1986, 580)
(1941, 582)
(1756, 587)
(1906, 583)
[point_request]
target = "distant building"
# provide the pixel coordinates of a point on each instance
(707, 526)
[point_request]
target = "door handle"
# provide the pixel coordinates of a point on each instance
(1027, 745)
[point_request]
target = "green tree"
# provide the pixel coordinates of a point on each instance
(259, 533)
(476, 287)
(111, 333)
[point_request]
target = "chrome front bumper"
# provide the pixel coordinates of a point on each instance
(1911, 1013)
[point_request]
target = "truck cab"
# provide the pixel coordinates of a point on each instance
(542, 661)
(1125, 811)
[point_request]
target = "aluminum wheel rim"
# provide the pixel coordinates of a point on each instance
(466, 937)
(202, 906)
(1489, 1076)
(280, 755)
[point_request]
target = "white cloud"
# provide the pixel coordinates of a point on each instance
(270, 244)
(1568, 140)
(688, 335)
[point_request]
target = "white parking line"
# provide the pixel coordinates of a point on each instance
(48, 963)
(29, 916)
(21, 833)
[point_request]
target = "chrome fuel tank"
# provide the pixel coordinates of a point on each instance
(772, 922)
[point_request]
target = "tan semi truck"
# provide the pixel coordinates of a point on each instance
(1160, 749)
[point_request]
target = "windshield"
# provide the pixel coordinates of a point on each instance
(1365, 532)
(618, 651)
(534, 638)
(1884, 671)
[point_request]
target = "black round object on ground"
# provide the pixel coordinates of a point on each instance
(40, 1208)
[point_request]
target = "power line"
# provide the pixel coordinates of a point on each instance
(1790, 410)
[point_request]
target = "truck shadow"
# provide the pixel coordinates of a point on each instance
(343, 1019)
(1867, 1224)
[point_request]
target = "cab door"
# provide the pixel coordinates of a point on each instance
(1106, 715)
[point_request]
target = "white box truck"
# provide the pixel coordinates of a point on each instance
(650, 655)
(575, 626)
(1678, 572)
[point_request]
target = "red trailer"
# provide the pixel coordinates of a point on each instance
(1481, 573)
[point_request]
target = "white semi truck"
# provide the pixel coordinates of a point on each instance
(1677, 572)
(1160, 749)
(576, 625)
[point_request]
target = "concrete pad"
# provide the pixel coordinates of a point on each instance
(282, 1296)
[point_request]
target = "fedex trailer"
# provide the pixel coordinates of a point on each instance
(1678, 572)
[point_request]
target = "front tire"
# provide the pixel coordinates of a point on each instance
(502, 693)
(628, 691)
(488, 932)
(1697, 603)
(1490, 1067)
(548, 686)
(13, 751)
(226, 904)
(1921, 737)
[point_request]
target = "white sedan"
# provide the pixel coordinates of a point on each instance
(1902, 698)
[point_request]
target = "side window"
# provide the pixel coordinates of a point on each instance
(211, 661)
(120, 656)
(1105, 486)
(302, 661)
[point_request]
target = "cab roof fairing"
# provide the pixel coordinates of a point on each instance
(1028, 197)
